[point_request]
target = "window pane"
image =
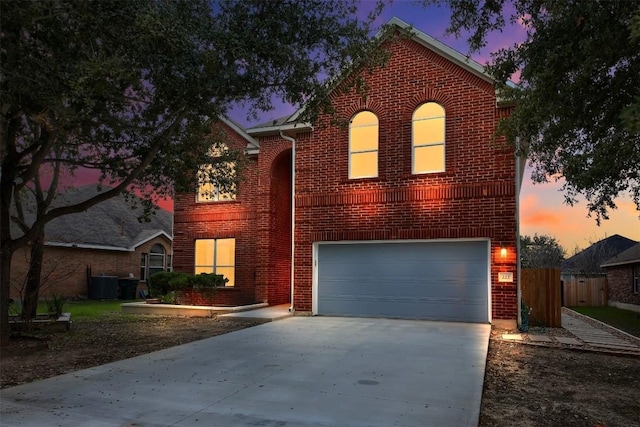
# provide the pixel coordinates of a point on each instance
(428, 131)
(206, 193)
(157, 249)
(225, 253)
(430, 109)
(229, 273)
(428, 159)
(204, 252)
(364, 165)
(230, 195)
(156, 260)
(364, 138)
(208, 269)
(364, 118)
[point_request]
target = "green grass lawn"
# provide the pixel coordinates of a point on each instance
(88, 309)
(625, 320)
(93, 308)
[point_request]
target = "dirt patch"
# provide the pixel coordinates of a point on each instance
(525, 385)
(96, 342)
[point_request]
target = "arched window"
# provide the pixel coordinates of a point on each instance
(152, 262)
(363, 145)
(427, 139)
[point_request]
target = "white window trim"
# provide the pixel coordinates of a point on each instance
(429, 144)
(352, 152)
(213, 264)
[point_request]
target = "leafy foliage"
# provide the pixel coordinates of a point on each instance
(540, 252)
(133, 89)
(165, 283)
(577, 111)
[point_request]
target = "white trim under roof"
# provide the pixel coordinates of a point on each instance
(108, 248)
(617, 263)
(266, 130)
(253, 146)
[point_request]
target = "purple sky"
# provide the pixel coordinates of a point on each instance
(542, 207)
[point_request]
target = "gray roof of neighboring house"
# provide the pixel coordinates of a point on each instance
(112, 224)
(630, 256)
(596, 254)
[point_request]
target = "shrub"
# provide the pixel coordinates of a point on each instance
(55, 305)
(164, 282)
(207, 281)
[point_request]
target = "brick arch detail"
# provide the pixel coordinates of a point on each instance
(364, 103)
(429, 94)
(268, 155)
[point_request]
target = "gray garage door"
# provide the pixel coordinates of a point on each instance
(415, 280)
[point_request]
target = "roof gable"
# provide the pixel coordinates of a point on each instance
(593, 256)
(630, 256)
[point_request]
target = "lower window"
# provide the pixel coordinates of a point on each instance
(216, 256)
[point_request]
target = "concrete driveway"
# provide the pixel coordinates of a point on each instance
(300, 371)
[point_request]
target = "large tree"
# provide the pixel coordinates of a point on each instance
(541, 252)
(131, 89)
(577, 111)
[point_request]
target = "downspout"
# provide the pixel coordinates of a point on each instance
(293, 212)
(519, 177)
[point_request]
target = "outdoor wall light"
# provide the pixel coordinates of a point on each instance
(503, 252)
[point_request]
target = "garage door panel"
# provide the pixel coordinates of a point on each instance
(444, 280)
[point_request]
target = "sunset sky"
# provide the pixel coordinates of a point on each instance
(542, 207)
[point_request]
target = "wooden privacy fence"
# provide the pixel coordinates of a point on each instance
(585, 291)
(541, 292)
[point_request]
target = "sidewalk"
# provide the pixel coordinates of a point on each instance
(582, 333)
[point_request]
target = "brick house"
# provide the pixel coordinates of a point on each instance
(408, 211)
(105, 240)
(623, 277)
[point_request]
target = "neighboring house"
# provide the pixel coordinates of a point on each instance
(106, 240)
(587, 263)
(623, 273)
(409, 211)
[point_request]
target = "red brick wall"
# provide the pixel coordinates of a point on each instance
(64, 269)
(474, 197)
(620, 284)
(280, 236)
(248, 219)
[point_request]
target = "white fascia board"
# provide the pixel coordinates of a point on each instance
(85, 246)
(627, 262)
(252, 143)
(153, 236)
(270, 130)
(443, 50)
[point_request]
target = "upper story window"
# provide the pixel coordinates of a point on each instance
(214, 192)
(210, 190)
(363, 145)
(427, 139)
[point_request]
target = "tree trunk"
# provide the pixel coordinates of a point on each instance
(32, 287)
(5, 277)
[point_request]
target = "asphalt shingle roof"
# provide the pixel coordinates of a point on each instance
(112, 223)
(597, 253)
(631, 255)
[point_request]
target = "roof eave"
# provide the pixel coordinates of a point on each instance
(275, 130)
(615, 264)
(88, 246)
